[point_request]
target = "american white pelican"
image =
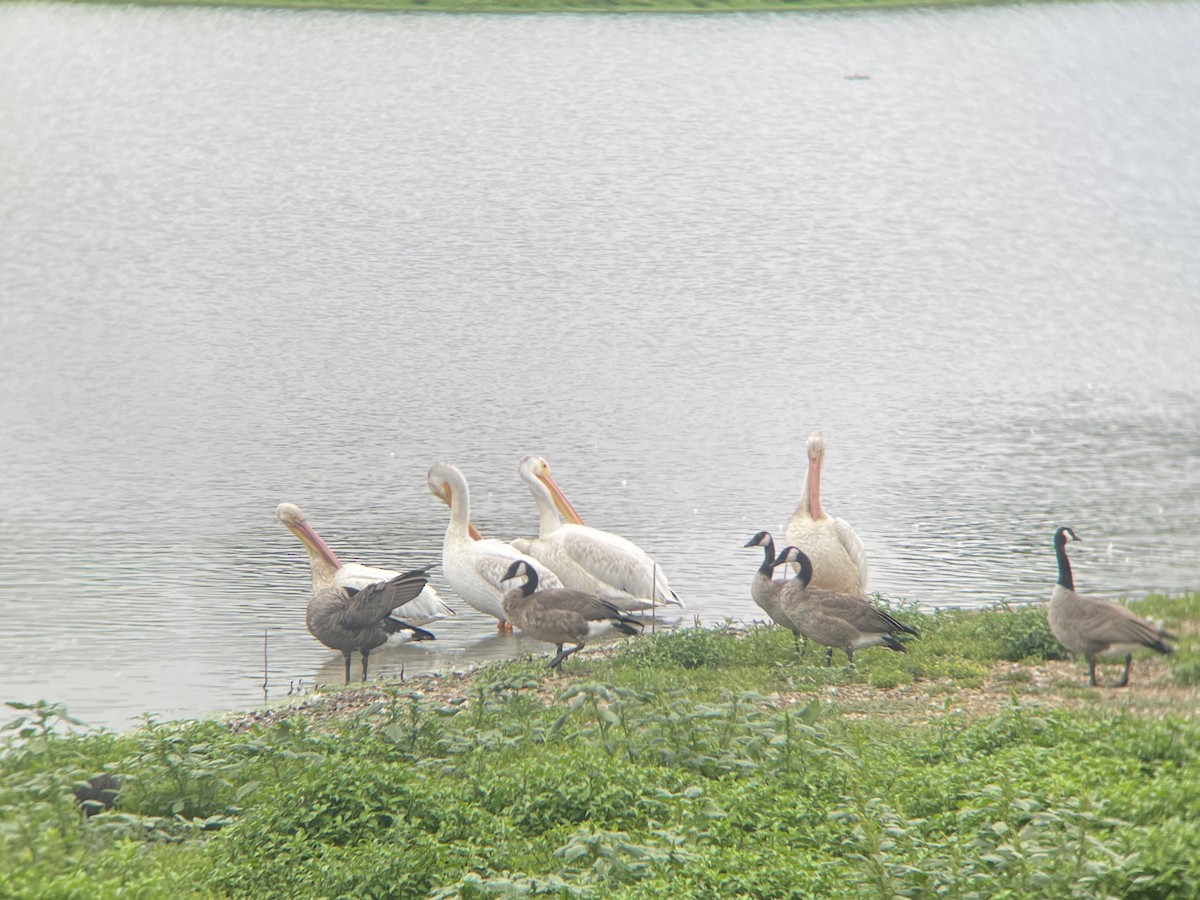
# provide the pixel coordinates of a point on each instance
(838, 557)
(348, 620)
(330, 572)
(1095, 627)
(834, 619)
(475, 566)
(559, 615)
(588, 559)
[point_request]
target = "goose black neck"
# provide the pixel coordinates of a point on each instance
(531, 579)
(768, 566)
(805, 574)
(1064, 564)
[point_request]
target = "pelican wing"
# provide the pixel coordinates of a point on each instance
(425, 607)
(492, 561)
(376, 601)
(854, 547)
(614, 561)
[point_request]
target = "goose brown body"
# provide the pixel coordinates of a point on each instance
(559, 615)
(1093, 627)
(834, 619)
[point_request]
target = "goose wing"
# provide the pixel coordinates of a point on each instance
(426, 607)
(375, 602)
(589, 606)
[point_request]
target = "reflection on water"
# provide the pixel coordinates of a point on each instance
(252, 257)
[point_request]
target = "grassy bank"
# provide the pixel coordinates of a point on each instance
(702, 763)
(561, 6)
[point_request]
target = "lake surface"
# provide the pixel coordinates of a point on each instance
(255, 256)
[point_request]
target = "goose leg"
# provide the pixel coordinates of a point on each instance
(346, 654)
(829, 658)
(365, 654)
(1124, 682)
(1092, 671)
(849, 657)
(558, 658)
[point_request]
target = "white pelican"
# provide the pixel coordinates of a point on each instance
(838, 557)
(560, 615)
(348, 620)
(330, 572)
(475, 566)
(588, 559)
(1095, 627)
(833, 619)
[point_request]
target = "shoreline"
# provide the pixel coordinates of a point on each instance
(574, 7)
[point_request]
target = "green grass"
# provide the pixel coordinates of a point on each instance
(699, 763)
(563, 6)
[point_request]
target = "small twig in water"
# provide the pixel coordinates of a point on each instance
(265, 669)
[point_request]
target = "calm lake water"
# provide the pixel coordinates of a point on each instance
(254, 256)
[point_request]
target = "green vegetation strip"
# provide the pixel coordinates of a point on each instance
(564, 6)
(700, 763)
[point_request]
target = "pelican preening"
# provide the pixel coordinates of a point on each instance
(838, 557)
(585, 558)
(1093, 627)
(475, 568)
(328, 571)
(835, 619)
(559, 615)
(346, 619)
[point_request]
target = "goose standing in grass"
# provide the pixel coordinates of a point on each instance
(833, 619)
(837, 553)
(346, 619)
(328, 571)
(560, 615)
(765, 588)
(588, 559)
(1093, 627)
(475, 568)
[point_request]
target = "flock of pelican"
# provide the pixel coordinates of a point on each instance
(573, 581)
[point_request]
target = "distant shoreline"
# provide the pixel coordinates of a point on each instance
(516, 7)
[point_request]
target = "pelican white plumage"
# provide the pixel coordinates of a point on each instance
(588, 559)
(836, 551)
(328, 571)
(475, 566)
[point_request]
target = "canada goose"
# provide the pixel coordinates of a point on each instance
(1094, 627)
(765, 588)
(589, 559)
(832, 619)
(346, 619)
(838, 556)
(475, 567)
(328, 571)
(559, 615)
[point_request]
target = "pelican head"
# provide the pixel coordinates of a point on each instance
(762, 539)
(534, 468)
(294, 520)
(440, 478)
(816, 447)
